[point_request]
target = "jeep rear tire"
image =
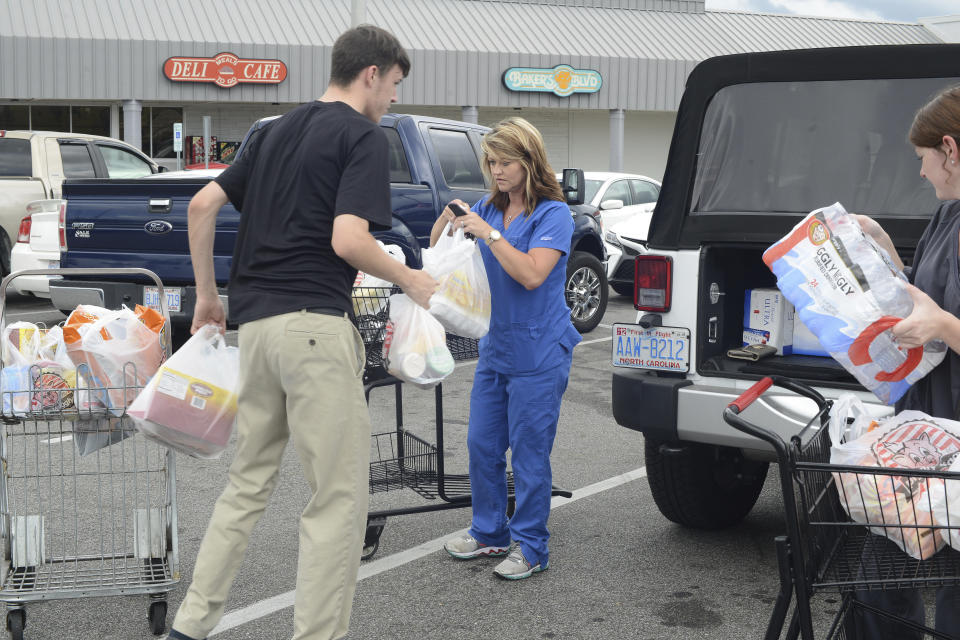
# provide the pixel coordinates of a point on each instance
(702, 486)
(622, 289)
(586, 290)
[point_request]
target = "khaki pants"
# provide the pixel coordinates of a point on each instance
(300, 377)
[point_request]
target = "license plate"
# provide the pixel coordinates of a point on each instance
(151, 298)
(656, 348)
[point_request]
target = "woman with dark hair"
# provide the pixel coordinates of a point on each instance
(525, 228)
(935, 289)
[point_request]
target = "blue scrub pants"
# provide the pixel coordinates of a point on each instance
(519, 412)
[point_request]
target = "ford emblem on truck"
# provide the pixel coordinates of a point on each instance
(158, 227)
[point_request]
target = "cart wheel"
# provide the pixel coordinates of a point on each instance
(369, 550)
(371, 541)
(16, 621)
(158, 617)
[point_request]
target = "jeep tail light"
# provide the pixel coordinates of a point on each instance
(652, 279)
(23, 233)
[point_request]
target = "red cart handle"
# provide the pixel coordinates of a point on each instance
(746, 398)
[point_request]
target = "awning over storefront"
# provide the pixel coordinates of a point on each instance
(116, 49)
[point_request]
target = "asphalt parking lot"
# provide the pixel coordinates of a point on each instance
(618, 569)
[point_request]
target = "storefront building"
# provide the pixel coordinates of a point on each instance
(602, 79)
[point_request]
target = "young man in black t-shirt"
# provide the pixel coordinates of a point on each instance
(309, 189)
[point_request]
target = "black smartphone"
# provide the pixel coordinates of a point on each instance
(458, 211)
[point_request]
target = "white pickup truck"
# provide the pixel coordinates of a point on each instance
(34, 164)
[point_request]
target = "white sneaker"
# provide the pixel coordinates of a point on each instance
(466, 547)
(516, 567)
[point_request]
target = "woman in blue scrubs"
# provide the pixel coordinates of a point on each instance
(524, 229)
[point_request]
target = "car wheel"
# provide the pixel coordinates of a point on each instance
(702, 486)
(622, 289)
(5, 249)
(586, 290)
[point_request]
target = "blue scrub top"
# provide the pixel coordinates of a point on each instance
(529, 330)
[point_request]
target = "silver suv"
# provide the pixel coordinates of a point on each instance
(760, 141)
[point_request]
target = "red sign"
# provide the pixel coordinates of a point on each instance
(225, 70)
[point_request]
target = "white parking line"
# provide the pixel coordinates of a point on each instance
(276, 603)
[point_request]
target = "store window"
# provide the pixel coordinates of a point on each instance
(156, 130)
(92, 120)
(50, 118)
(123, 164)
(161, 135)
(77, 162)
(14, 116)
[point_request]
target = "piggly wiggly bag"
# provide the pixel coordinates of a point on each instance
(848, 292)
(898, 507)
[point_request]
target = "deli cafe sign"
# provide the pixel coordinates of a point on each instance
(225, 70)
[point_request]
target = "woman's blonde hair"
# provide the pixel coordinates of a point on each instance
(939, 117)
(517, 140)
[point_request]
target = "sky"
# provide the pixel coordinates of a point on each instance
(895, 10)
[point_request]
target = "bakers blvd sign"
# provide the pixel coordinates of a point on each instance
(225, 70)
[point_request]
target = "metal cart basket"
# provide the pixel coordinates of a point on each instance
(87, 504)
(400, 459)
(824, 551)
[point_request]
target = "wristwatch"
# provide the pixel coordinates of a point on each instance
(493, 237)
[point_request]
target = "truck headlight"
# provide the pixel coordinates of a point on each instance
(612, 238)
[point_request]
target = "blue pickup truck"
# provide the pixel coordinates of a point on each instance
(143, 223)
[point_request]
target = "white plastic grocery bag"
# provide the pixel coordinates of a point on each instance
(367, 298)
(115, 354)
(191, 403)
(415, 347)
(849, 294)
(462, 300)
(20, 344)
(898, 507)
(53, 376)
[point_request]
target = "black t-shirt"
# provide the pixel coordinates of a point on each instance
(318, 161)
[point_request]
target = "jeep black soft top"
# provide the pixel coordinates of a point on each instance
(817, 74)
(760, 140)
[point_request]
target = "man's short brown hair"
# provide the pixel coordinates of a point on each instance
(362, 47)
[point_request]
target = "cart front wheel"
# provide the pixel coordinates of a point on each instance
(157, 617)
(16, 621)
(371, 540)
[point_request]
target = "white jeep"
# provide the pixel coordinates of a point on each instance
(760, 141)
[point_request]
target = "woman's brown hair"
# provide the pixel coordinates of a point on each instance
(517, 140)
(939, 117)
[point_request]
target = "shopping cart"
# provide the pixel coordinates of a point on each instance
(399, 458)
(88, 505)
(824, 552)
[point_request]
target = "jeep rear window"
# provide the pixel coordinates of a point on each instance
(793, 147)
(15, 159)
